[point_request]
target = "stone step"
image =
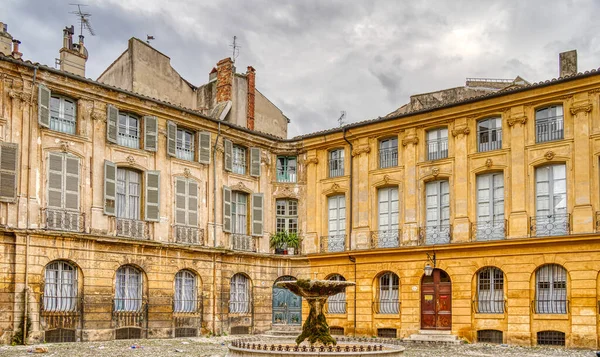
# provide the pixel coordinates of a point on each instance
(435, 332)
(276, 327)
(442, 337)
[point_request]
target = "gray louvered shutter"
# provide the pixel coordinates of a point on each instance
(110, 187)
(152, 211)
(55, 180)
(44, 106)
(180, 201)
(204, 147)
(228, 148)
(112, 122)
(9, 154)
(171, 138)
(71, 200)
(192, 203)
(257, 214)
(226, 209)
(254, 162)
(150, 133)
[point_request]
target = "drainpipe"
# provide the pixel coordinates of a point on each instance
(349, 193)
(353, 260)
(214, 260)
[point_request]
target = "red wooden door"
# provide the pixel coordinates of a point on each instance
(436, 301)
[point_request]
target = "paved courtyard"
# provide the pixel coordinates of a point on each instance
(217, 347)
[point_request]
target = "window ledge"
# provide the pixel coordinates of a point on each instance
(185, 162)
(67, 136)
(486, 316)
(245, 176)
(386, 316)
(129, 150)
(551, 316)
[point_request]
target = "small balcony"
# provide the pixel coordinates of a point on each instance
(132, 228)
(388, 157)
(550, 225)
(336, 167)
(385, 238)
(63, 220)
(129, 312)
(439, 234)
(243, 242)
(386, 306)
(549, 129)
(489, 140)
(189, 235)
(61, 312)
(437, 149)
(489, 230)
(332, 243)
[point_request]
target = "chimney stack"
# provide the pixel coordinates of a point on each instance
(567, 63)
(251, 78)
(224, 79)
(5, 40)
(73, 56)
(15, 52)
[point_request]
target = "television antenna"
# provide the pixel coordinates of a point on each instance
(235, 49)
(84, 21)
(341, 118)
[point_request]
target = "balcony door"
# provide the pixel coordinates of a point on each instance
(437, 198)
(337, 223)
(388, 217)
(490, 206)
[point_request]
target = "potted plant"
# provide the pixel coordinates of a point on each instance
(293, 242)
(277, 242)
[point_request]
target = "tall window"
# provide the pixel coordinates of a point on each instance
(551, 290)
(129, 185)
(388, 153)
(186, 210)
(490, 291)
(185, 292)
(62, 212)
(239, 212)
(388, 294)
(388, 218)
(337, 223)
(489, 134)
(286, 168)
(129, 131)
(437, 230)
(437, 144)
(239, 159)
(490, 206)
(336, 163)
(549, 124)
(62, 114)
(239, 295)
(128, 289)
(60, 287)
(185, 144)
(551, 201)
(287, 215)
(336, 304)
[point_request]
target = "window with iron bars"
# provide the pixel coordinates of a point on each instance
(437, 144)
(490, 291)
(489, 134)
(388, 298)
(185, 292)
(551, 290)
(60, 287)
(550, 338)
(239, 299)
(549, 124)
(336, 163)
(388, 153)
(336, 304)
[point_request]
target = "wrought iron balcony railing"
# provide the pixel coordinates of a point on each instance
(551, 306)
(489, 306)
(63, 220)
(385, 238)
(386, 306)
(332, 243)
(132, 228)
(550, 225)
(189, 235)
(438, 234)
(243, 242)
(388, 157)
(489, 140)
(335, 307)
(489, 230)
(437, 149)
(336, 167)
(549, 129)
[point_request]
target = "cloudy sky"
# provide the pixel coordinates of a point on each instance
(316, 58)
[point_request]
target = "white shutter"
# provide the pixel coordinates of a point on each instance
(226, 209)
(55, 180)
(112, 123)
(171, 138)
(71, 199)
(204, 147)
(255, 162)
(257, 214)
(192, 203)
(180, 198)
(44, 106)
(228, 152)
(152, 211)
(150, 133)
(9, 154)
(110, 187)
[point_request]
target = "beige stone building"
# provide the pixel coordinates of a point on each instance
(140, 205)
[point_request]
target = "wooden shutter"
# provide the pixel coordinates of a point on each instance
(71, 198)
(204, 147)
(171, 138)
(226, 209)
(255, 162)
(192, 203)
(112, 121)
(55, 180)
(152, 211)
(228, 161)
(44, 106)
(110, 187)
(257, 214)
(150, 133)
(8, 171)
(180, 201)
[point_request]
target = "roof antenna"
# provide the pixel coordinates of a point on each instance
(84, 21)
(149, 38)
(341, 118)
(235, 49)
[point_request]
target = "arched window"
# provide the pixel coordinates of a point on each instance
(490, 291)
(60, 287)
(185, 292)
(551, 290)
(128, 289)
(239, 297)
(336, 304)
(387, 302)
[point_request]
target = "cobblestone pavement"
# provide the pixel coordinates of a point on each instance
(217, 347)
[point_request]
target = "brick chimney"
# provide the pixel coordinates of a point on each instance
(251, 78)
(15, 51)
(568, 63)
(224, 79)
(73, 56)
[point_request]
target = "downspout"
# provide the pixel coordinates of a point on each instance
(353, 260)
(214, 262)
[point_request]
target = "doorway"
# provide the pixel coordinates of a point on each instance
(287, 306)
(436, 301)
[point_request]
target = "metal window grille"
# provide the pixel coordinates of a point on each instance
(334, 243)
(489, 134)
(185, 292)
(550, 338)
(286, 168)
(336, 163)
(490, 336)
(186, 332)
(385, 238)
(243, 242)
(128, 333)
(387, 301)
(185, 144)
(132, 228)
(64, 220)
(388, 153)
(336, 304)
(490, 291)
(60, 287)
(239, 160)
(128, 290)
(437, 144)
(129, 131)
(239, 296)
(336, 331)
(189, 235)
(59, 335)
(549, 124)
(387, 332)
(63, 114)
(551, 290)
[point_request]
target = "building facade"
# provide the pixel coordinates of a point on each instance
(125, 216)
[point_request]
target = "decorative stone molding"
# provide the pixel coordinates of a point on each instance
(361, 150)
(240, 187)
(521, 119)
(435, 172)
(386, 179)
(187, 173)
(335, 187)
(311, 160)
(219, 147)
(582, 108)
(22, 96)
(410, 140)
(98, 115)
(64, 145)
(286, 192)
(489, 163)
(265, 158)
(462, 130)
(130, 160)
(549, 155)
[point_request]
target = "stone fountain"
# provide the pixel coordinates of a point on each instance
(315, 330)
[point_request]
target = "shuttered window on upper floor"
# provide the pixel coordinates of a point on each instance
(9, 154)
(128, 130)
